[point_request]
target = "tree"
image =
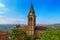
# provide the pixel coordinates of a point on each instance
(17, 34)
(51, 34)
(29, 37)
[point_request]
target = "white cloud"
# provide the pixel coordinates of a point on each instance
(23, 21)
(2, 5)
(8, 21)
(12, 21)
(1, 12)
(1, 16)
(5, 20)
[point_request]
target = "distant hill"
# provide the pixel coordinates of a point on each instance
(54, 26)
(7, 26)
(50, 25)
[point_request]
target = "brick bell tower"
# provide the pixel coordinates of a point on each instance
(31, 21)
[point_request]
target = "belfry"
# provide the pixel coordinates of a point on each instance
(31, 20)
(31, 28)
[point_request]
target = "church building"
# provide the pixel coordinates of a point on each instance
(31, 28)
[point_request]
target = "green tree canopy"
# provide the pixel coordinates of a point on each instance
(51, 34)
(17, 34)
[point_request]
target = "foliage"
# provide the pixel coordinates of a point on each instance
(51, 34)
(17, 34)
(29, 37)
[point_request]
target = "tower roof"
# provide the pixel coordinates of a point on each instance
(31, 12)
(31, 9)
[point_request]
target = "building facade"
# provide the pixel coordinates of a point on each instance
(31, 28)
(4, 35)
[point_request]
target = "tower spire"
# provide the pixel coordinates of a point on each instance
(31, 12)
(31, 9)
(31, 20)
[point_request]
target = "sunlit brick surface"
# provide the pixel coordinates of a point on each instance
(4, 35)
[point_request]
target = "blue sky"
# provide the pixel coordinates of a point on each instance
(16, 11)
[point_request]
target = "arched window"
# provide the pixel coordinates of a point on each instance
(30, 19)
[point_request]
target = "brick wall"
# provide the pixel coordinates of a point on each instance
(4, 35)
